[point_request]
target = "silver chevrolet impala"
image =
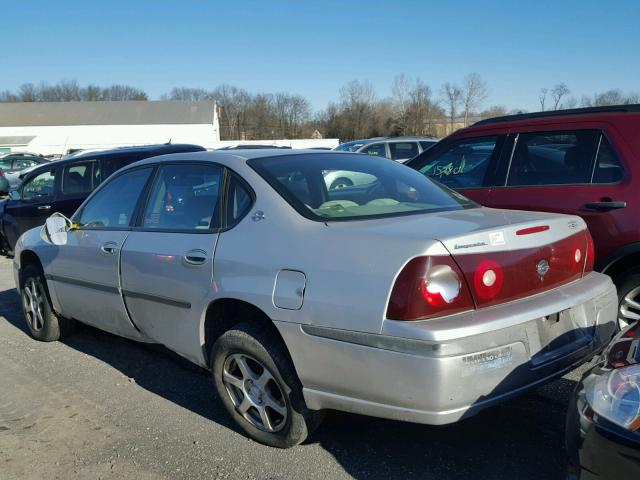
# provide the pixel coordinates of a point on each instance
(395, 298)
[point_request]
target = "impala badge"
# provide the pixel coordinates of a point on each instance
(542, 268)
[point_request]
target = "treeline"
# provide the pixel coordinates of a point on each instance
(70, 91)
(413, 108)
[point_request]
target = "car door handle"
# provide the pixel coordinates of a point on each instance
(195, 257)
(610, 205)
(44, 207)
(109, 247)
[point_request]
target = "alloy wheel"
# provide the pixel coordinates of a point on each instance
(254, 392)
(629, 309)
(33, 302)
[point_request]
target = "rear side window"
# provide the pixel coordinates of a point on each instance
(23, 163)
(185, 197)
(553, 158)
(377, 149)
(113, 205)
(238, 201)
(78, 178)
(403, 150)
(608, 167)
(462, 163)
(5, 164)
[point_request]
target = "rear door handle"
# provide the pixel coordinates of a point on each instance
(109, 247)
(44, 207)
(611, 205)
(195, 257)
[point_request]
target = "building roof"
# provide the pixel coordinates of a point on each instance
(27, 114)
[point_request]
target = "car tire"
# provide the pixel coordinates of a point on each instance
(628, 285)
(42, 321)
(257, 383)
(340, 183)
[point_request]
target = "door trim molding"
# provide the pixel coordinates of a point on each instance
(156, 298)
(83, 283)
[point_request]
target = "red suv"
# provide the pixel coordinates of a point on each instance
(584, 161)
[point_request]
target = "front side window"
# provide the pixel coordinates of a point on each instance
(403, 150)
(185, 197)
(378, 187)
(42, 185)
(462, 163)
(114, 204)
(553, 158)
(5, 164)
(377, 150)
(78, 178)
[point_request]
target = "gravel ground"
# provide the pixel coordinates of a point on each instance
(100, 407)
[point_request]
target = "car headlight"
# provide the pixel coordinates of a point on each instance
(616, 396)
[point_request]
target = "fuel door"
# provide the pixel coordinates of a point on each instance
(288, 291)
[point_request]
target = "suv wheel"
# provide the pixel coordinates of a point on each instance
(628, 298)
(258, 386)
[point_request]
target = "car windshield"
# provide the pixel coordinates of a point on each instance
(351, 186)
(349, 147)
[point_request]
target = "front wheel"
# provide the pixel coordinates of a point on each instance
(42, 321)
(256, 381)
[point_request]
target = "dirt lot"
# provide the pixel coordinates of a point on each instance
(97, 406)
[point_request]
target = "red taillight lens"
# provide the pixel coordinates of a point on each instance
(1, 173)
(487, 280)
(591, 253)
(429, 287)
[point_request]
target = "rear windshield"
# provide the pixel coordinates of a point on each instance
(352, 186)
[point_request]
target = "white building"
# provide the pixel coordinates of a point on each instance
(57, 127)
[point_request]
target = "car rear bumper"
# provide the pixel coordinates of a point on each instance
(440, 371)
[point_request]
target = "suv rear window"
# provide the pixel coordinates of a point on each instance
(351, 186)
(553, 158)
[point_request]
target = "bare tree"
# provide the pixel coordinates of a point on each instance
(542, 97)
(401, 89)
(187, 94)
(452, 97)
(356, 99)
(557, 93)
(474, 92)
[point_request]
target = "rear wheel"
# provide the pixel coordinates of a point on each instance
(628, 298)
(256, 381)
(42, 321)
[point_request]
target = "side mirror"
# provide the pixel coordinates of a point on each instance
(14, 195)
(56, 228)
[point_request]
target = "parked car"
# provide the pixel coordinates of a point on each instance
(62, 185)
(400, 149)
(4, 183)
(429, 306)
(251, 146)
(14, 163)
(584, 161)
(603, 420)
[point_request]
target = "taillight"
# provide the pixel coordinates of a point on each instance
(1, 173)
(591, 253)
(488, 279)
(429, 287)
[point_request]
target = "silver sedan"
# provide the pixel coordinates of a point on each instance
(397, 298)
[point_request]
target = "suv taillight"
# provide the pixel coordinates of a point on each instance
(591, 253)
(429, 287)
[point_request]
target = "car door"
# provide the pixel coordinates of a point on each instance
(575, 171)
(167, 261)
(34, 205)
(469, 165)
(85, 273)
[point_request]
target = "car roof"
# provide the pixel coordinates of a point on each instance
(146, 150)
(230, 156)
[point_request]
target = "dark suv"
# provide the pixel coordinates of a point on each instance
(62, 185)
(583, 161)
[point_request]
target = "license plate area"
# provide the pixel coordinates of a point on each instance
(559, 335)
